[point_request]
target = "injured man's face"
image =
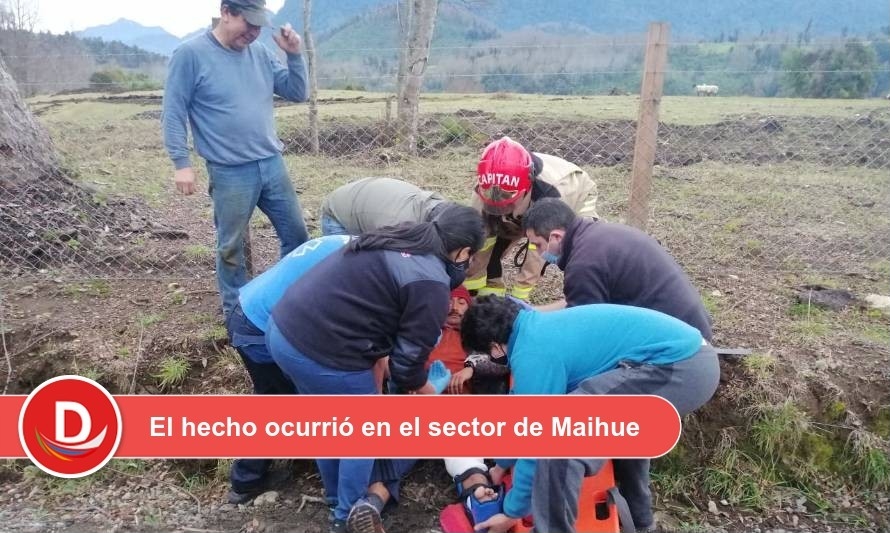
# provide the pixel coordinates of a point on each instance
(459, 306)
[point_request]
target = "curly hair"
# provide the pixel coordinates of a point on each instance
(489, 320)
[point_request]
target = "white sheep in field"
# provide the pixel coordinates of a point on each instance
(706, 90)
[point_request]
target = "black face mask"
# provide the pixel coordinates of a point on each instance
(457, 272)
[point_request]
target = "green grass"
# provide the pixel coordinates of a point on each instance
(811, 323)
(805, 310)
(881, 268)
(688, 110)
(835, 411)
(105, 149)
(194, 482)
(881, 423)
(871, 461)
(198, 252)
(91, 373)
(177, 297)
(172, 371)
(738, 478)
(149, 320)
(259, 220)
(810, 331)
(778, 430)
(222, 470)
(674, 474)
(216, 333)
(712, 304)
(759, 365)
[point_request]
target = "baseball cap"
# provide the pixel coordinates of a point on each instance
(254, 11)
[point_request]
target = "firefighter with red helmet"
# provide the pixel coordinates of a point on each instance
(509, 178)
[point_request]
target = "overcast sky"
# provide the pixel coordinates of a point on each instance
(178, 17)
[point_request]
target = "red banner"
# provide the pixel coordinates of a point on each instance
(373, 426)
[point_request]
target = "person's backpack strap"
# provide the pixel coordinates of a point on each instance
(624, 517)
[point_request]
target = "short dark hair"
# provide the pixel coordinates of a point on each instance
(490, 319)
(548, 214)
(460, 226)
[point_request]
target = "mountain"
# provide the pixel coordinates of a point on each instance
(154, 38)
(688, 18)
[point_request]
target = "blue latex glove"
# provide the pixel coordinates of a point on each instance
(439, 376)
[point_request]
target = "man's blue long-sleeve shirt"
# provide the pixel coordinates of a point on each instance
(226, 98)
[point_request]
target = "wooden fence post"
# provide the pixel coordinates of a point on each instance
(647, 124)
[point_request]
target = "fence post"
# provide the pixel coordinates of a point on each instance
(647, 124)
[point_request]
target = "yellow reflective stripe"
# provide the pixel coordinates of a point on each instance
(521, 291)
(497, 291)
(474, 284)
(489, 243)
(532, 246)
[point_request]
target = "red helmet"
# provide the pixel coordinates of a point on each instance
(503, 175)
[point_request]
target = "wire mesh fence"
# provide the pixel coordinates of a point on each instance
(787, 184)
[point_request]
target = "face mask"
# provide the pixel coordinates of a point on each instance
(548, 256)
(457, 272)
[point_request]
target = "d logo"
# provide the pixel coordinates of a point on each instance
(70, 426)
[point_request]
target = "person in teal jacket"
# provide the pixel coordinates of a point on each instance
(589, 349)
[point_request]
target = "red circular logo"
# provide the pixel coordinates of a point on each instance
(70, 426)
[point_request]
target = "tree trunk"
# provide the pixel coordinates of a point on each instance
(313, 75)
(26, 152)
(412, 66)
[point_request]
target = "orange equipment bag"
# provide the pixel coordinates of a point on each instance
(599, 506)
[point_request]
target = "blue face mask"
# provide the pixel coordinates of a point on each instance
(550, 257)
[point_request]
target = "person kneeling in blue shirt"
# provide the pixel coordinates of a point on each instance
(247, 325)
(589, 349)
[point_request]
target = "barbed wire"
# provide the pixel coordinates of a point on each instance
(53, 229)
(476, 47)
(435, 75)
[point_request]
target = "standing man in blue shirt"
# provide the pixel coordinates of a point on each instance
(222, 83)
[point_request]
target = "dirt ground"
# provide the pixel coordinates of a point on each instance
(155, 298)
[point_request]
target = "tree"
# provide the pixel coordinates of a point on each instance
(313, 75)
(27, 152)
(839, 72)
(417, 34)
(20, 15)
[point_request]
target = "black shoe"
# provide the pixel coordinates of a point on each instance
(364, 518)
(272, 480)
(338, 526)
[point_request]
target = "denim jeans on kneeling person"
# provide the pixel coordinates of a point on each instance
(250, 342)
(345, 480)
(332, 226)
(236, 190)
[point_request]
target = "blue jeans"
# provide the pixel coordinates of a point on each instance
(249, 341)
(332, 226)
(236, 190)
(345, 480)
